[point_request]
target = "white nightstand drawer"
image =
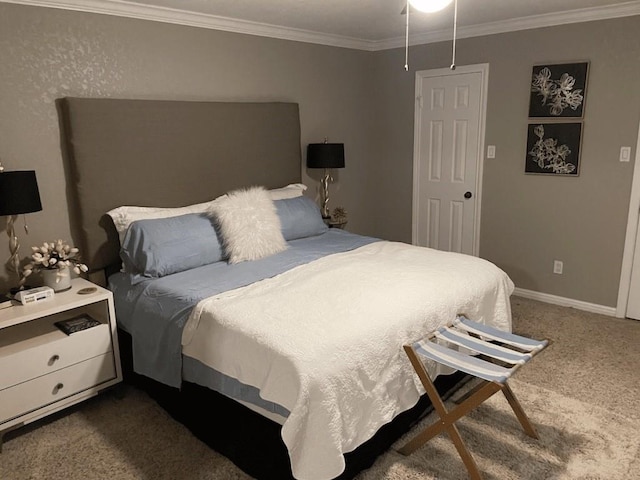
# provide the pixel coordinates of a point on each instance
(55, 386)
(38, 348)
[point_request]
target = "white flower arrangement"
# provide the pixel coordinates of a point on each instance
(54, 256)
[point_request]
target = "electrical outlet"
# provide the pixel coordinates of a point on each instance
(557, 267)
(625, 154)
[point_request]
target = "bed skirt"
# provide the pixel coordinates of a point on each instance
(251, 441)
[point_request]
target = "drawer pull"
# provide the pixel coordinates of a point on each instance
(57, 388)
(53, 359)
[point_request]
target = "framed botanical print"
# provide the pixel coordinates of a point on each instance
(558, 91)
(553, 148)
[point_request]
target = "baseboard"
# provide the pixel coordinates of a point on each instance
(565, 302)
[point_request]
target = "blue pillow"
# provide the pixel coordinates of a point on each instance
(300, 217)
(161, 246)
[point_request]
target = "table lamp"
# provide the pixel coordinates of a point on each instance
(18, 195)
(325, 155)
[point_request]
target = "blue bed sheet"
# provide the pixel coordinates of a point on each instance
(155, 311)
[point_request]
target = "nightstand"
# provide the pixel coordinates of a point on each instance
(43, 370)
(334, 224)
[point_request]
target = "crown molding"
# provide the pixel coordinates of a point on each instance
(122, 8)
(627, 9)
(127, 9)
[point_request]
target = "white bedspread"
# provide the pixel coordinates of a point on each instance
(324, 339)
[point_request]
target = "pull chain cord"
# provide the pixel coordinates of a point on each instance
(406, 44)
(455, 31)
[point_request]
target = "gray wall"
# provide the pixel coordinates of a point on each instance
(530, 220)
(363, 99)
(46, 54)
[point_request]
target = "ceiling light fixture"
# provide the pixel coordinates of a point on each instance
(429, 6)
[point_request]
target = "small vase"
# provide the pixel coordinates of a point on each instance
(58, 279)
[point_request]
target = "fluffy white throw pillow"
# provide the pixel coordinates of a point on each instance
(249, 224)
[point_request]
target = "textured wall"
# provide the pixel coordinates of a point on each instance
(527, 221)
(47, 54)
(364, 100)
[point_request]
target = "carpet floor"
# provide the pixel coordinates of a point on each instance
(582, 394)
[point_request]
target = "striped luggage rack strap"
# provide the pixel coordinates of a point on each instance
(478, 339)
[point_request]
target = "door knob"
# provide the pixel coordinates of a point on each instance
(468, 195)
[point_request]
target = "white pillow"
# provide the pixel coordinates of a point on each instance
(290, 191)
(249, 224)
(125, 216)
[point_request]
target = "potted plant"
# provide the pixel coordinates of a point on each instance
(54, 260)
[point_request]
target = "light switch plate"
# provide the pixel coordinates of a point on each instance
(625, 154)
(491, 151)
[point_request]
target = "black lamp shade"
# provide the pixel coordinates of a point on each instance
(19, 193)
(325, 155)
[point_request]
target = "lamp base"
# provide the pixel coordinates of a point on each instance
(326, 179)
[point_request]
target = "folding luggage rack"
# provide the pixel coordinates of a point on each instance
(486, 353)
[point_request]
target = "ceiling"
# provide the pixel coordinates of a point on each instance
(361, 24)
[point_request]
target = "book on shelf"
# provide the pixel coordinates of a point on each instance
(5, 301)
(76, 324)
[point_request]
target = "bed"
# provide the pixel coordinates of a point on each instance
(246, 353)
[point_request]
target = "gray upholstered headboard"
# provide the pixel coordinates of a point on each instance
(167, 154)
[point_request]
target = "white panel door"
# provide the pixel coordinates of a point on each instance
(448, 145)
(628, 304)
(633, 303)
